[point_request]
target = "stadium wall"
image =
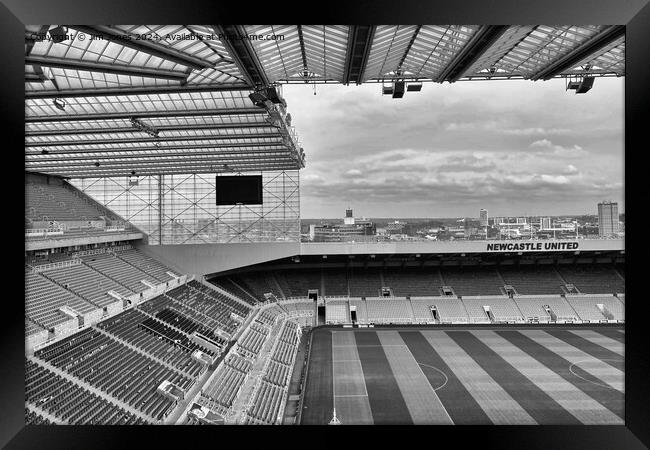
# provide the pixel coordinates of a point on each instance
(65, 241)
(203, 259)
(492, 246)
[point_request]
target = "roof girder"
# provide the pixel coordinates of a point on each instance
(475, 47)
(140, 90)
(243, 54)
(143, 45)
(583, 51)
(118, 69)
(144, 114)
(193, 127)
(360, 39)
(152, 139)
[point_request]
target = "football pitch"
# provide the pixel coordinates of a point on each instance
(571, 375)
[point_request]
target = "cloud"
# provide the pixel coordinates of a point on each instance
(571, 170)
(509, 143)
(535, 131)
(547, 148)
(554, 179)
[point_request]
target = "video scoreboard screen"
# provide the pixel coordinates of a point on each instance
(239, 189)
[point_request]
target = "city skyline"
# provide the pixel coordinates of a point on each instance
(476, 216)
(442, 153)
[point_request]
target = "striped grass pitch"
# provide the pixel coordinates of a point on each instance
(505, 375)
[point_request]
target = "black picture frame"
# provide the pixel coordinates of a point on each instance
(635, 14)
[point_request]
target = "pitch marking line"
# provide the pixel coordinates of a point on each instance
(372, 345)
(333, 375)
(363, 375)
(438, 370)
(434, 390)
(590, 381)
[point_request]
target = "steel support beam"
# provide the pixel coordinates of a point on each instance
(130, 129)
(142, 45)
(152, 114)
(118, 69)
(579, 54)
(475, 47)
(408, 47)
(243, 54)
(201, 167)
(161, 148)
(359, 43)
(143, 90)
(34, 78)
(302, 48)
(62, 157)
(152, 160)
(151, 140)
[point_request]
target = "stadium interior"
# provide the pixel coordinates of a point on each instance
(123, 142)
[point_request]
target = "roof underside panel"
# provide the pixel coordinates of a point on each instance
(524, 51)
(388, 47)
(325, 50)
(197, 132)
(281, 58)
(166, 99)
(433, 49)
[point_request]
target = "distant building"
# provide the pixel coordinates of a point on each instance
(521, 220)
(483, 217)
(607, 218)
(395, 227)
(349, 218)
(357, 230)
(545, 223)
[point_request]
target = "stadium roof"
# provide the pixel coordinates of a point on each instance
(160, 100)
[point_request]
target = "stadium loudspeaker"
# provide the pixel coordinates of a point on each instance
(272, 94)
(387, 90)
(257, 99)
(585, 85)
(398, 91)
(573, 85)
(414, 87)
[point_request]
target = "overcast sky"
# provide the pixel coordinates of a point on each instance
(512, 147)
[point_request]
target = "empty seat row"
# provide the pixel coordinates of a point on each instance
(43, 298)
(69, 402)
(115, 369)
